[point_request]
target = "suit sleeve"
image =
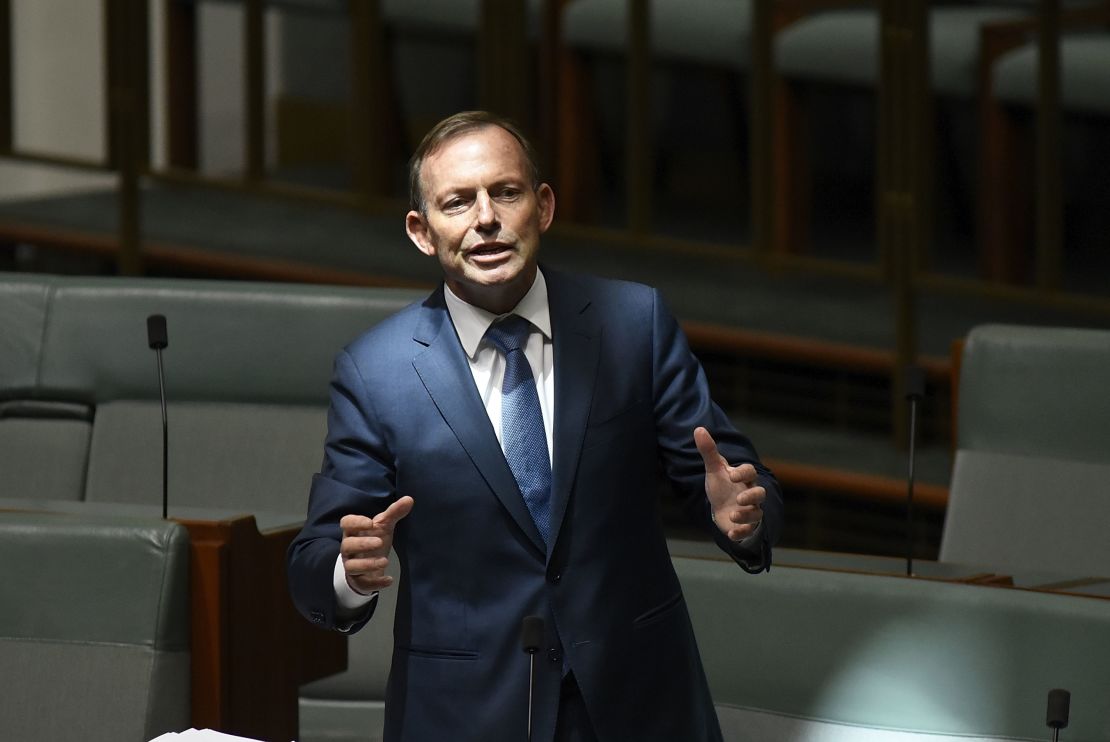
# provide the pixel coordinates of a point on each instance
(682, 403)
(357, 476)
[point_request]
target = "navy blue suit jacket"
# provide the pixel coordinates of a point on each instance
(406, 419)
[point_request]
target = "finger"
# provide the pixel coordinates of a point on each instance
(745, 473)
(354, 547)
(389, 517)
(754, 496)
(355, 525)
(739, 533)
(749, 514)
(373, 565)
(707, 447)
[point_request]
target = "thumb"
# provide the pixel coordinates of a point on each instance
(707, 447)
(389, 517)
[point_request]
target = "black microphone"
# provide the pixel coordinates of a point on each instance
(1059, 703)
(915, 390)
(157, 339)
(531, 637)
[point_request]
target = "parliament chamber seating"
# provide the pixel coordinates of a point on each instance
(247, 370)
(1029, 486)
(94, 635)
(819, 652)
(808, 655)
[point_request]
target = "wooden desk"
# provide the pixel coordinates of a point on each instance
(251, 650)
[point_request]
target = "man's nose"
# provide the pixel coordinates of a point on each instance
(487, 215)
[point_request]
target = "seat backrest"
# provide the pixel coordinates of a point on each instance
(247, 370)
(94, 635)
(1031, 481)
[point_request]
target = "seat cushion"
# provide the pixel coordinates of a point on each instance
(43, 458)
(247, 457)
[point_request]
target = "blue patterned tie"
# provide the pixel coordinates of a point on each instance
(522, 431)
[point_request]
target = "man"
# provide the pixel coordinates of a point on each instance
(511, 467)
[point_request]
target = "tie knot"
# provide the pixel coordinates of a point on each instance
(509, 334)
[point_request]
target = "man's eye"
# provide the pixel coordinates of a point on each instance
(508, 194)
(455, 204)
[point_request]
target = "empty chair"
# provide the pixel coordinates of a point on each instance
(1031, 482)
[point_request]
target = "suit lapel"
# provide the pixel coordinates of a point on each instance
(443, 369)
(576, 341)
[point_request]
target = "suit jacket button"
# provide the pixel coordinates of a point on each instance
(317, 616)
(555, 579)
(554, 655)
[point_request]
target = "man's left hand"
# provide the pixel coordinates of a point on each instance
(735, 499)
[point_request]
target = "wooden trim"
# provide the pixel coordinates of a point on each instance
(805, 350)
(367, 123)
(250, 649)
(180, 39)
(1050, 200)
(503, 60)
(1028, 296)
(43, 158)
(639, 139)
(862, 486)
(254, 88)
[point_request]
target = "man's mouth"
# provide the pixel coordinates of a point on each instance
(491, 250)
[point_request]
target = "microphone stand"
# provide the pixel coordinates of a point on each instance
(915, 390)
(531, 637)
(158, 339)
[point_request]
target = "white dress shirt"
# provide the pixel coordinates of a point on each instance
(487, 366)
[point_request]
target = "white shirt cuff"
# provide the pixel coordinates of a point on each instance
(345, 595)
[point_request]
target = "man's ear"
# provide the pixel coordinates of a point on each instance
(416, 227)
(546, 198)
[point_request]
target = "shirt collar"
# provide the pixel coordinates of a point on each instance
(471, 322)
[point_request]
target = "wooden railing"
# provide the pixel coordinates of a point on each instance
(903, 211)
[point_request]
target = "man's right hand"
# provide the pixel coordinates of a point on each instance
(366, 544)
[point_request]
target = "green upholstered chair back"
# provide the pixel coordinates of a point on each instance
(1031, 481)
(94, 635)
(247, 370)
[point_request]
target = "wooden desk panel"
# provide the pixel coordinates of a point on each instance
(251, 650)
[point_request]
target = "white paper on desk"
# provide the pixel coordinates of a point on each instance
(200, 735)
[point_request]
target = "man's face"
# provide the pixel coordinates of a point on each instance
(484, 219)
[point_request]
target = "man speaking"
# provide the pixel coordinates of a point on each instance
(502, 440)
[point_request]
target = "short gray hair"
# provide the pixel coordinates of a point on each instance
(454, 126)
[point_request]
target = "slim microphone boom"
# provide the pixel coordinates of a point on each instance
(531, 637)
(158, 340)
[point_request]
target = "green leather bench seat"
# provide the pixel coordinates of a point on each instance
(94, 635)
(800, 654)
(247, 372)
(803, 654)
(1030, 482)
